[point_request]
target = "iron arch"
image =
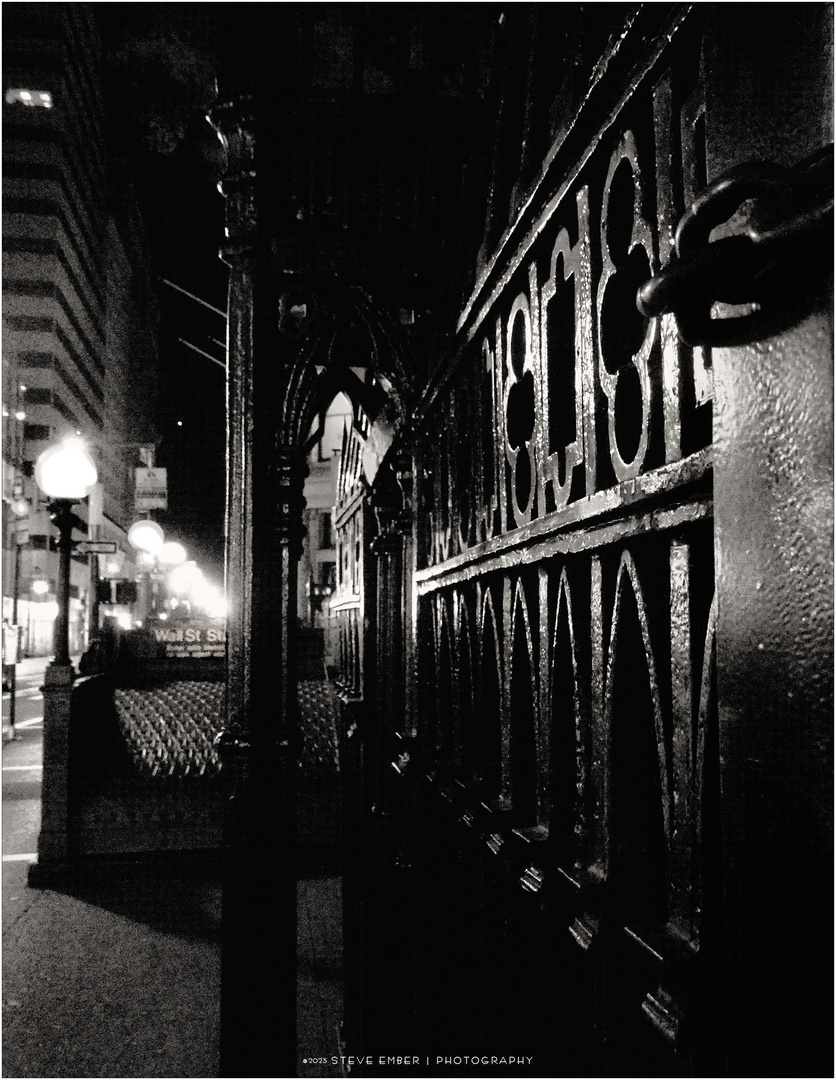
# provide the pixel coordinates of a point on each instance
(639, 761)
(522, 722)
(490, 691)
(322, 369)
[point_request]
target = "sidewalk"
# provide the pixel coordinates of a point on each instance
(116, 977)
(118, 974)
(119, 977)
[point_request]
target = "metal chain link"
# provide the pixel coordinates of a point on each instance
(769, 264)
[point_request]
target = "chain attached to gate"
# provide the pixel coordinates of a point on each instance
(778, 244)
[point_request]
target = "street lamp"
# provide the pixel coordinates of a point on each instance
(148, 539)
(146, 536)
(65, 473)
(171, 554)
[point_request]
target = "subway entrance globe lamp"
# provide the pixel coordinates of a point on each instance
(65, 473)
(146, 536)
(171, 554)
(148, 539)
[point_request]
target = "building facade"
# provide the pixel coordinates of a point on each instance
(79, 313)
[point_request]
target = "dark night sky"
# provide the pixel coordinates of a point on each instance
(160, 83)
(185, 221)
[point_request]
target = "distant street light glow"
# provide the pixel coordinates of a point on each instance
(171, 553)
(209, 598)
(185, 577)
(146, 536)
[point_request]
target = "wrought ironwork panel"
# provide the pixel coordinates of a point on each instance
(566, 498)
(351, 540)
(579, 399)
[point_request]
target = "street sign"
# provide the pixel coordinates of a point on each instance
(97, 547)
(151, 491)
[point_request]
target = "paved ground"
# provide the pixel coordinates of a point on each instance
(117, 979)
(318, 976)
(119, 976)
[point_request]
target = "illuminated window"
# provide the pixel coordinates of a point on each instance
(40, 98)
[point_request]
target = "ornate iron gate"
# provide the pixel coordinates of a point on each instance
(551, 876)
(568, 564)
(586, 593)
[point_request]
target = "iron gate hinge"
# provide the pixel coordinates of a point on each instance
(778, 237)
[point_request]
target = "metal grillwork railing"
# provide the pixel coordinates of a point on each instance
(171, 730)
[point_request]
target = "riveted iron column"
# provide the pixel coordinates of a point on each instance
(258, 974)
(774, 526)
(390, 966)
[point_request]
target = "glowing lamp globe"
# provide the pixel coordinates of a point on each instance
(185, 577)
(209, 598)
(172, 553)
(66, 471)
(146, 536)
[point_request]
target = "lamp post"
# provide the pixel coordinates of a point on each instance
(65, 474)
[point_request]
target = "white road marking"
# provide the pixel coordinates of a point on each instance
(21, 858)
(20, 768)
(33, 722)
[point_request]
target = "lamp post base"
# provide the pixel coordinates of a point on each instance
(51, 874)
(58, 675)
(53, 840)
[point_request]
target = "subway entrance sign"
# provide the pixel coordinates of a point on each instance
(182, 638)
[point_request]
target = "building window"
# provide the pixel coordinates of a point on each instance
(39, 98)
(37, 432)
(326, 536)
